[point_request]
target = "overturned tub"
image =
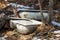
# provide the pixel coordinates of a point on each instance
(35, 14)
(25, 26)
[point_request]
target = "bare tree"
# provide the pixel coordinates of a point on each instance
(40, 5)
(50, 12)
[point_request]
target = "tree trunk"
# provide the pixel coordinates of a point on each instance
(40, 5)
(50, 12)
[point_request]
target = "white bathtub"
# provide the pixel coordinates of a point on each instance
(25, 26)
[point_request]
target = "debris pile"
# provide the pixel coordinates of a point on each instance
(20, 22)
